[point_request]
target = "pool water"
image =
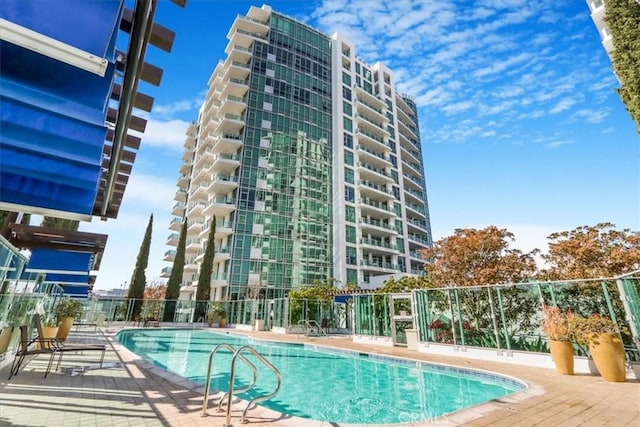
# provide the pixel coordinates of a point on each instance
(321, 384)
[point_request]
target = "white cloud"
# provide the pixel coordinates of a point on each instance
(563, 105)
(169, 110)
(591, 116)
(167, 134)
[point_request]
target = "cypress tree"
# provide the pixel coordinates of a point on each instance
(623, 19)
(138, 278)
(203, 291)
(175, 280)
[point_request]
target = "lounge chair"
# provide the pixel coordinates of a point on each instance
(27, 348)
(51, 347)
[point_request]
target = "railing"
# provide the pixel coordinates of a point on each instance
(207, 384)
(255, 399)
(309, 327)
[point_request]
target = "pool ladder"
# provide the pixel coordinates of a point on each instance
(310, 324)
(237, 354)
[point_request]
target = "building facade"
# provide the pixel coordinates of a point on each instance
(308, 159)
(597, 8)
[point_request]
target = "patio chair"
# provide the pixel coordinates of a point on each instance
(60, 346)
(27, 348)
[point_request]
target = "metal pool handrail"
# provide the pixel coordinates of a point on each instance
(255, 399)
(207, 386)
(309, 325)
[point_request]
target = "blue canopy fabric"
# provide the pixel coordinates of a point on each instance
(52, 120)
(64, 267)
(91, 26)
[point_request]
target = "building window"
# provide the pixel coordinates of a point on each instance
(346, 93)
(351, 233)
(350, 213)
(346, 79)
(346, 107)
(352, 256)
(352, 276)
(348, 140)
(348, 124)
(348, 157)
(348, 175)
(349, 194)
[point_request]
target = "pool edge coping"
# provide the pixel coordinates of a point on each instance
(459, 417)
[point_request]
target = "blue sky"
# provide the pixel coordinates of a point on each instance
(520, 123)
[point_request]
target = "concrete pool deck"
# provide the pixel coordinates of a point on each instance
(130, 392)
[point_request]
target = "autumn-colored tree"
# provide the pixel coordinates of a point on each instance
(590, 252)
(477, 257)
(138, 278)
(155, 291)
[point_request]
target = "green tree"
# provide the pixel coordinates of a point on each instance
(623, 19)
(138, 278)
(203, 291)
(60, 223)
(403, 284)
(175, 279)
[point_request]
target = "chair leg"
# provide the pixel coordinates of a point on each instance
(53, 355)
(102, 357)
(59, 360)
(16, 366)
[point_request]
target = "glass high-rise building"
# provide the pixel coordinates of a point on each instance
(310, 162)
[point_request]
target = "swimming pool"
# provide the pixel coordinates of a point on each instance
(322, 384)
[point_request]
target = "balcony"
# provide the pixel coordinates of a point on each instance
(169, 255)
(219, 280)
(175, 224)
(374, 174)
(412, 168)
(194, 227)
(183, 180)
(410, 155)
(223, 229)
(192, 246)
(378, 128)
(224, 163)
(370, 207)
(374, 191)
(376, 112)
(166, 272)
(185, 167)
(234, 105)
(172, 239)
(372, 140)
(220, 206)
(222, 254)
(245, 31)
(377, 226)
(416, 255)
(421, 226)
(378, 265)
(178, 209)
(420, 210)
(199, 190)
(374, 157)
(361, 93)
(412, 182)
(230, 124)
(195, 208)
(414, 196)
(235, 87)
(377, 245)
(419, 239)
(238, 53)
(222, 184)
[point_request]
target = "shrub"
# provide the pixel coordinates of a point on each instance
(68, 308)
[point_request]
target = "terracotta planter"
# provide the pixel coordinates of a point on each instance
(48, 332)
(222, 322)
(608, 355)
(562, 356)
(5, 337)
(64, 326)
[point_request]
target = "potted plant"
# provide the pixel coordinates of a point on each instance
(222, 318)
(602, 336)
(212, 314)
(555, 324)
(66, 311)
(49, 329)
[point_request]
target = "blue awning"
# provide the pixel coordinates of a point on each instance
(342, 298)
(91, 26)
(64, 267)
(53, 115)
